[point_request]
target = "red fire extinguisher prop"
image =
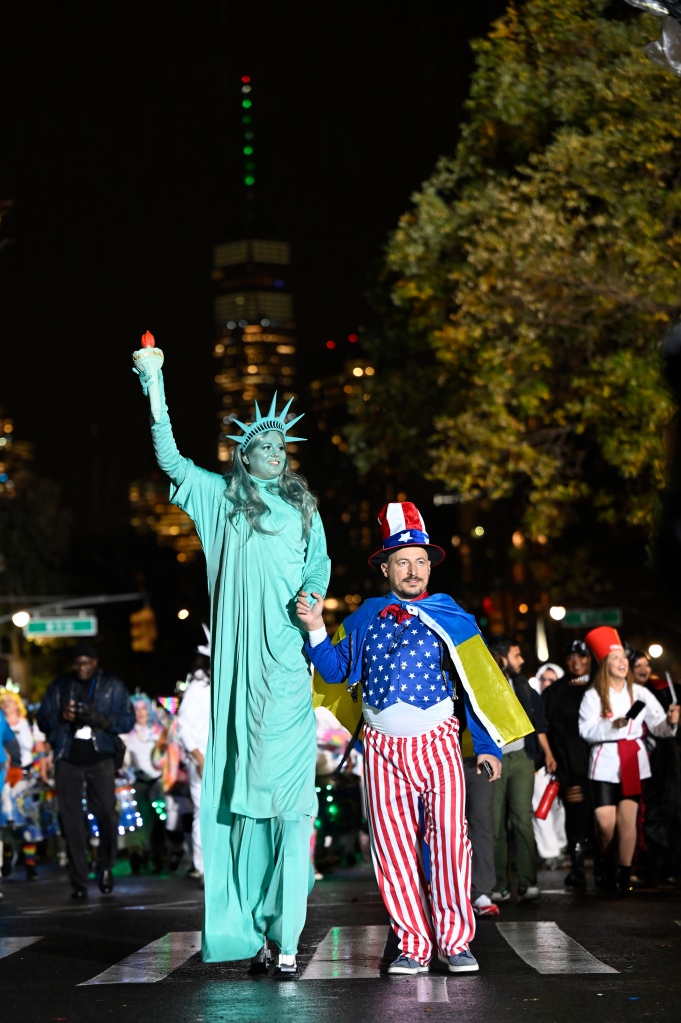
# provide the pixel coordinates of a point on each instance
(546, 801)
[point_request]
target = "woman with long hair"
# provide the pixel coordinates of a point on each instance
(264, 543)
(611, 719)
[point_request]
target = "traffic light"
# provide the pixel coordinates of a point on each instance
(143, 631)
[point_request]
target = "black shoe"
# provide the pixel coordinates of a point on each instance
(79, 893)
(623, 881)
(576, 878)
(261, 962)
(105, 881)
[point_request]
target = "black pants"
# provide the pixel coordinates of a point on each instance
(578, 815)
(98, 779)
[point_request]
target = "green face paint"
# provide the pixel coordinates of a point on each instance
(266, 456)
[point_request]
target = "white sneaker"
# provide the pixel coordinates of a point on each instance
(286, 964)
(483, 906)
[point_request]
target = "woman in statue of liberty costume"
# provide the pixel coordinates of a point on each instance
(264, 542)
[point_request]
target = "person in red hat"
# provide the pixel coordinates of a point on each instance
(611, 720)
(406, 651)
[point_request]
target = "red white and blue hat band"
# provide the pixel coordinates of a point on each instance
(402, 526)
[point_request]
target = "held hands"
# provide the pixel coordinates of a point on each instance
(673, 714)
(310, 615)
(493, 762)
(620, 722)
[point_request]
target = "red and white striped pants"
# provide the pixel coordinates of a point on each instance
(399, 772)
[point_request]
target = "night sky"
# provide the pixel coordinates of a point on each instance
(121, 147)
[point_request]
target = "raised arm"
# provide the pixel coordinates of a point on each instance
(167, 455)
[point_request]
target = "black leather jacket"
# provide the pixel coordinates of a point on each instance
(110, 698)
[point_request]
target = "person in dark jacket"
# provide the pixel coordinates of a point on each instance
(82, 715)
(562, 701)
(513, 792)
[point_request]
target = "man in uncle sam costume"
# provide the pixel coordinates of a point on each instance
(406, 652)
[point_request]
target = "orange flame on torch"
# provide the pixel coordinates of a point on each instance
(148, 340)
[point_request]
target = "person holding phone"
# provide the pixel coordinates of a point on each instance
(611, 719)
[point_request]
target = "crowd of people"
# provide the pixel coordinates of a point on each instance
(605, 730)
(459, 750)
(96, 773)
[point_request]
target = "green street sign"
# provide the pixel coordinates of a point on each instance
(61, 626)
(578, 617)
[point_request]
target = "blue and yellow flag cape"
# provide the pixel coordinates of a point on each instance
(491, 697)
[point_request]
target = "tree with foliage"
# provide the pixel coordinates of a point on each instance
(525, 293)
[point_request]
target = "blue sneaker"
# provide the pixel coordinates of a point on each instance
(462, 962)
(406, 966)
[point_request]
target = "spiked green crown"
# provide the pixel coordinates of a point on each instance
(262, 424)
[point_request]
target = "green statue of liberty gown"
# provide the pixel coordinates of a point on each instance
(258, 802)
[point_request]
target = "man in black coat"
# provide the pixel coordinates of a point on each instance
(82, 715)
(562, 701)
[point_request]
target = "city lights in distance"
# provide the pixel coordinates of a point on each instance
(655, 650)
(478, 531)
(557, 613)
(331, 603)
(330, 344)
(183, 614)
(358, 371)
(523, 608)
(245, 78)
(455, 541)
(21, 619)
(369, 371)
(518, 540)
(352, 338)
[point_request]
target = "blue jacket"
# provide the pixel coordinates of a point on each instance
(343, 661)
(9, 745)
(109, 698)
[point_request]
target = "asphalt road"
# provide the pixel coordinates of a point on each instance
(134, 955)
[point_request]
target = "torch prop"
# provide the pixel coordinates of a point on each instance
(148, 361)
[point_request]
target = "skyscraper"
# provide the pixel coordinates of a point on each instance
(254, 326)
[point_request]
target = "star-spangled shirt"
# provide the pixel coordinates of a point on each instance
(403, 663)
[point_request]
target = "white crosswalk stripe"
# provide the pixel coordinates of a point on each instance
(431, 989)
(8, 946)
(153, 962)
(547, 949)
(349, 953)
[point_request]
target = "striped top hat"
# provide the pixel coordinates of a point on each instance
(402, 526)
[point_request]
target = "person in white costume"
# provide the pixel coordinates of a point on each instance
(193, 720)
(549, 834)
(612, 716)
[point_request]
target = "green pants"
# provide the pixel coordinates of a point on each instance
(513, 805)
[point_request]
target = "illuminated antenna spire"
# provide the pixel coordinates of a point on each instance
(249, 135)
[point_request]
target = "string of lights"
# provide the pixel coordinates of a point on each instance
(249, 134)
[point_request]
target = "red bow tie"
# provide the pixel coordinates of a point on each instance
(395, 609)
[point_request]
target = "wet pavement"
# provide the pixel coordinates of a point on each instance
(135, 955)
